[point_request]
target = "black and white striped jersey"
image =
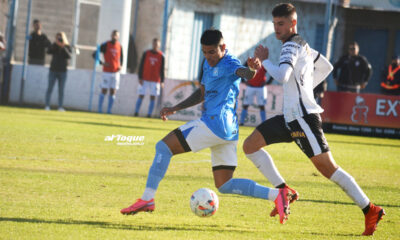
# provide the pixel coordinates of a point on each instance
(296, 73)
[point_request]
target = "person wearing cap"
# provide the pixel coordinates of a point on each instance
(390, 84)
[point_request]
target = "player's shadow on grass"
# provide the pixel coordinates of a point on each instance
(343, 203)
(112, 125)
(134, 226)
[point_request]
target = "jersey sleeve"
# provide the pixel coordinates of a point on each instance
(232, 65)
(322, 68)
(289, 54)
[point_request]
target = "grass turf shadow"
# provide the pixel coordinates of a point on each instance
(134, 227)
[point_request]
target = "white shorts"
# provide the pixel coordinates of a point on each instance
(198, 136)
(110, 80)
(259, 92)
(153, 88)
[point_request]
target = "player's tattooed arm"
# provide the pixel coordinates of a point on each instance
(196, 98)
(246, 73)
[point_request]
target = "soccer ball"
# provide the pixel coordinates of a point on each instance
(204, 202)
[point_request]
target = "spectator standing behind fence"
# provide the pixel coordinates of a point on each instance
(355, 70)
(151, 76)
(391, 77)
(113, 59)
(61, 52)
(38, 43)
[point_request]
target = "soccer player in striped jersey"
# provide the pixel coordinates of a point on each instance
(301, 121)
(217, 129)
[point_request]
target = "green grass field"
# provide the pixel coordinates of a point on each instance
(60, 179)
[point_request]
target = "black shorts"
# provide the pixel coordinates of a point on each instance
(306, 132)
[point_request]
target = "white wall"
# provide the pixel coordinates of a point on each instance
(244, 25)
(77, 90)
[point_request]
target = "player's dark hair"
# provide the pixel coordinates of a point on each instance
(35, 21)
(114, 31)
(354, 43)
(211, 37)
(283, 10)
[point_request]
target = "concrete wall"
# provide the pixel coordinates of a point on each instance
(3, 15)
(77, 90)
(244, 24)
(148, 26)
(56, 16)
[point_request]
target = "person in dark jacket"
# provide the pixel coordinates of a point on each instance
(38, 42)
(61, 52)
(355, 70)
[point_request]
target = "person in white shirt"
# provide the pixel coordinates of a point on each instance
(300, 121)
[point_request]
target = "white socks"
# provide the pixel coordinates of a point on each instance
(273, 194)
(148, 194)
(264, 163)
(350, 187)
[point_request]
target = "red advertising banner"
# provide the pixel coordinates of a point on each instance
(371, 110)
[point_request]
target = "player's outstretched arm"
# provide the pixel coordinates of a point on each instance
(196, 98)
(246, 72)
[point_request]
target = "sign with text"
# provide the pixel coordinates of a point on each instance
(362, 110)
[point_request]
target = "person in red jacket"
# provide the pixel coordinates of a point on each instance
(113, 58)
(151, 76)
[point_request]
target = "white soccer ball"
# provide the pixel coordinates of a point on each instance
(204, 202)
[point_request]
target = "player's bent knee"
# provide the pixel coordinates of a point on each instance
(248, 146)
(162, 148)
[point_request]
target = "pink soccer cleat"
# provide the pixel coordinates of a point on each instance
(139, 206)
(294, 196)
(282, 204)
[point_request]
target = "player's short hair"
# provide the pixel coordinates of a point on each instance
(284, 10)
(35, 21)
(211, 37)
(114, 31)
(156, 40)
(354, 43)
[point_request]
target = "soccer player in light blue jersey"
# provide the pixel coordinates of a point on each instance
(217, 129)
